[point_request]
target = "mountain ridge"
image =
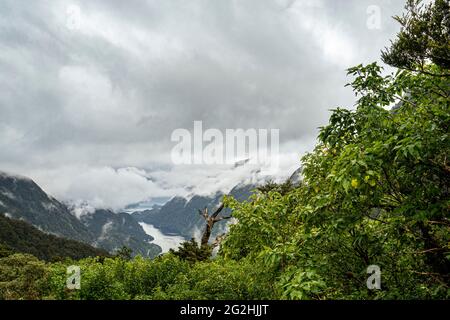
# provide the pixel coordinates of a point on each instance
(20, 236)
(22, 199)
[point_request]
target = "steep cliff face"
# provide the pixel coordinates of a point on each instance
(20, 236)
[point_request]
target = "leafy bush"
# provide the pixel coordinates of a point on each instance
(23, 277)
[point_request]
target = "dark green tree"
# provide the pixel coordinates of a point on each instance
(424, 38)
(125, 253)
(191, 251)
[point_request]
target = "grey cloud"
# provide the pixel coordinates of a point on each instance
(109, 94)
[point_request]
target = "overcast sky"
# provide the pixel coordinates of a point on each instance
(90, 91)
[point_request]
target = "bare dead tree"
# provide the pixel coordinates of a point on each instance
(218, 240)
(210, 221)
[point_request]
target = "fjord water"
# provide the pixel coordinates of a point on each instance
(166, 242)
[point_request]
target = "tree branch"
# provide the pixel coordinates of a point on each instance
(218, 210)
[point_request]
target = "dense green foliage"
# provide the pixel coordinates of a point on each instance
(193, 251)
(425, 36)
(22, 276)
(375, 191)
(19, 236)
(166, 277)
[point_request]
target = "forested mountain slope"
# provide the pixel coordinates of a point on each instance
(20, 236)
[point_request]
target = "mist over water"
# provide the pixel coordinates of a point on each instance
(166, 242)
